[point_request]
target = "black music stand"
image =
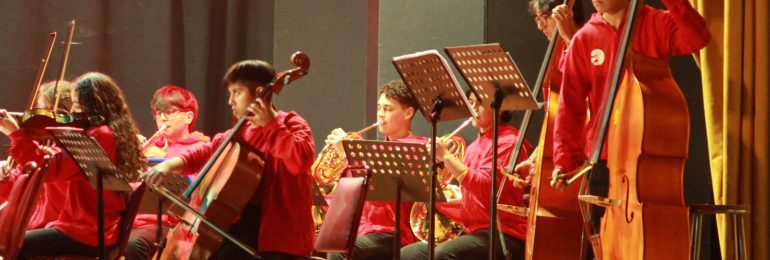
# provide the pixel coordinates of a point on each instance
(93, 163)
(153, 203)
(428, 76)
(498, 83)
(399, 172)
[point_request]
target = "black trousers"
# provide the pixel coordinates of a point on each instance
(370, 246)
(246, 230)
(466, 246)
(52, 242)
(141, 243)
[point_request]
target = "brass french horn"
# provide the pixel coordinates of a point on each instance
(445, 227)
(327, 170)
(329, 165)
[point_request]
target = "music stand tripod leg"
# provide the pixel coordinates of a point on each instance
(160, 241)
(435, 116)
(397, 233)
(496, 104)
(100, 214)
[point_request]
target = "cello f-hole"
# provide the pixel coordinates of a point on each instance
(629, 217)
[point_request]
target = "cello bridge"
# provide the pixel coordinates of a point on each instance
(600, 201)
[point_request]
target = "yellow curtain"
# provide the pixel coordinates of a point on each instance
(735, 73)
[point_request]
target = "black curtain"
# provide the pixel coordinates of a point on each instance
(142, 44)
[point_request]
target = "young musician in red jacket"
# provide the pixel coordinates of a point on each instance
(588, 67)
(278, 222)
(52, 194)
(74, 232)
(396, 108)
(550, 15)
(474, 175)
(175, 110)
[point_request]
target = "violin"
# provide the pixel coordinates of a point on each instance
(37, 117)
(227, 182)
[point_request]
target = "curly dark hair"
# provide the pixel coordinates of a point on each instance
(98, 94)
(396, 89)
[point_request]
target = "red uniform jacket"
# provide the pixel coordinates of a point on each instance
(78, 214)
(159, 148)
(474, 213)
(49, 203)
(588, 65)
(287, 144)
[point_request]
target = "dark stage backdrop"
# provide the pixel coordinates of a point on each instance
(144, 44)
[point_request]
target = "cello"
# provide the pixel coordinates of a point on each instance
(646, 216)
(224, 186)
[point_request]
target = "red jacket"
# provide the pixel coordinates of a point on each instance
(49, 203)
(78, 216)
(588, 66)
(159, 148)
(474, 213)
(287, 144)
(380, 216)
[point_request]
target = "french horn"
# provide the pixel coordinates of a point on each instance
(445, 227)
(327, 170)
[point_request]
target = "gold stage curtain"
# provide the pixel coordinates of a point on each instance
(735, 73)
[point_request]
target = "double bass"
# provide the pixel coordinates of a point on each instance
(646, 122)
(554, 222)
(224, 186)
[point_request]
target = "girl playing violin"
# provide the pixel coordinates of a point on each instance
(52, 194)
(74, 232)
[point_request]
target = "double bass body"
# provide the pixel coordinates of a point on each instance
(554, 223)
(648, 144)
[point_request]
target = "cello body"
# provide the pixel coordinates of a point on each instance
(224, 192)
(554, 221)
(648, 144)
